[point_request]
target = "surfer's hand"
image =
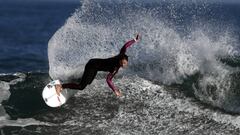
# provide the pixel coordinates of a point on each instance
(58, 88)
(118, 93)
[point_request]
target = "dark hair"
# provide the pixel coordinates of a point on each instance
(123, 56)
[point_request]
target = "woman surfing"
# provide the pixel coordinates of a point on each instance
(111, 65)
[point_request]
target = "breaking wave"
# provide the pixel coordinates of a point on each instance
(182, 43)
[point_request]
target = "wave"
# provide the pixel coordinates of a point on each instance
(143, 103)
(20, 99)
(179, 41)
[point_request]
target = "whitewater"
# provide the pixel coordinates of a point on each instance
(164, 54)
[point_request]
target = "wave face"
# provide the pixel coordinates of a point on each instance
(186, 43)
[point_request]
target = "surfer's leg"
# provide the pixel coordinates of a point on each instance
(71, 86)
(91, 76)
(88, 77)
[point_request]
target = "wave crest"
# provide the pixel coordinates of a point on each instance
(170, 50)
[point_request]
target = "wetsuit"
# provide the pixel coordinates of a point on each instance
(110, 65)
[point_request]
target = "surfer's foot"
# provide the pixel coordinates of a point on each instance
(58, 88)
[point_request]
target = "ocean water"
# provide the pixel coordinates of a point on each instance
(26, 28)
(183, 76)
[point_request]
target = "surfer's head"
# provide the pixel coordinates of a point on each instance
(123, 60)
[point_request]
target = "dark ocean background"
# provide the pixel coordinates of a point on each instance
(183, 76)
(26, 28)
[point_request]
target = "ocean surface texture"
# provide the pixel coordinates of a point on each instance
(183, 76)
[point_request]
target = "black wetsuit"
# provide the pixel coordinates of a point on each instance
(110, 65)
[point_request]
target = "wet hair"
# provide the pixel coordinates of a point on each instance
(123, 57)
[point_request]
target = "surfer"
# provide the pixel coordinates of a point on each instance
(110, 65)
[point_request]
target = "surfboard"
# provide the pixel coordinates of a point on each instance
(50, 96)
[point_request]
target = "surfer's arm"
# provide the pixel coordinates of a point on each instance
(110, 83)
(128, 44)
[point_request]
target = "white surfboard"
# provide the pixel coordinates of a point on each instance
(50, 96)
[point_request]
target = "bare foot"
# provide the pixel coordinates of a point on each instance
(58, 88)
